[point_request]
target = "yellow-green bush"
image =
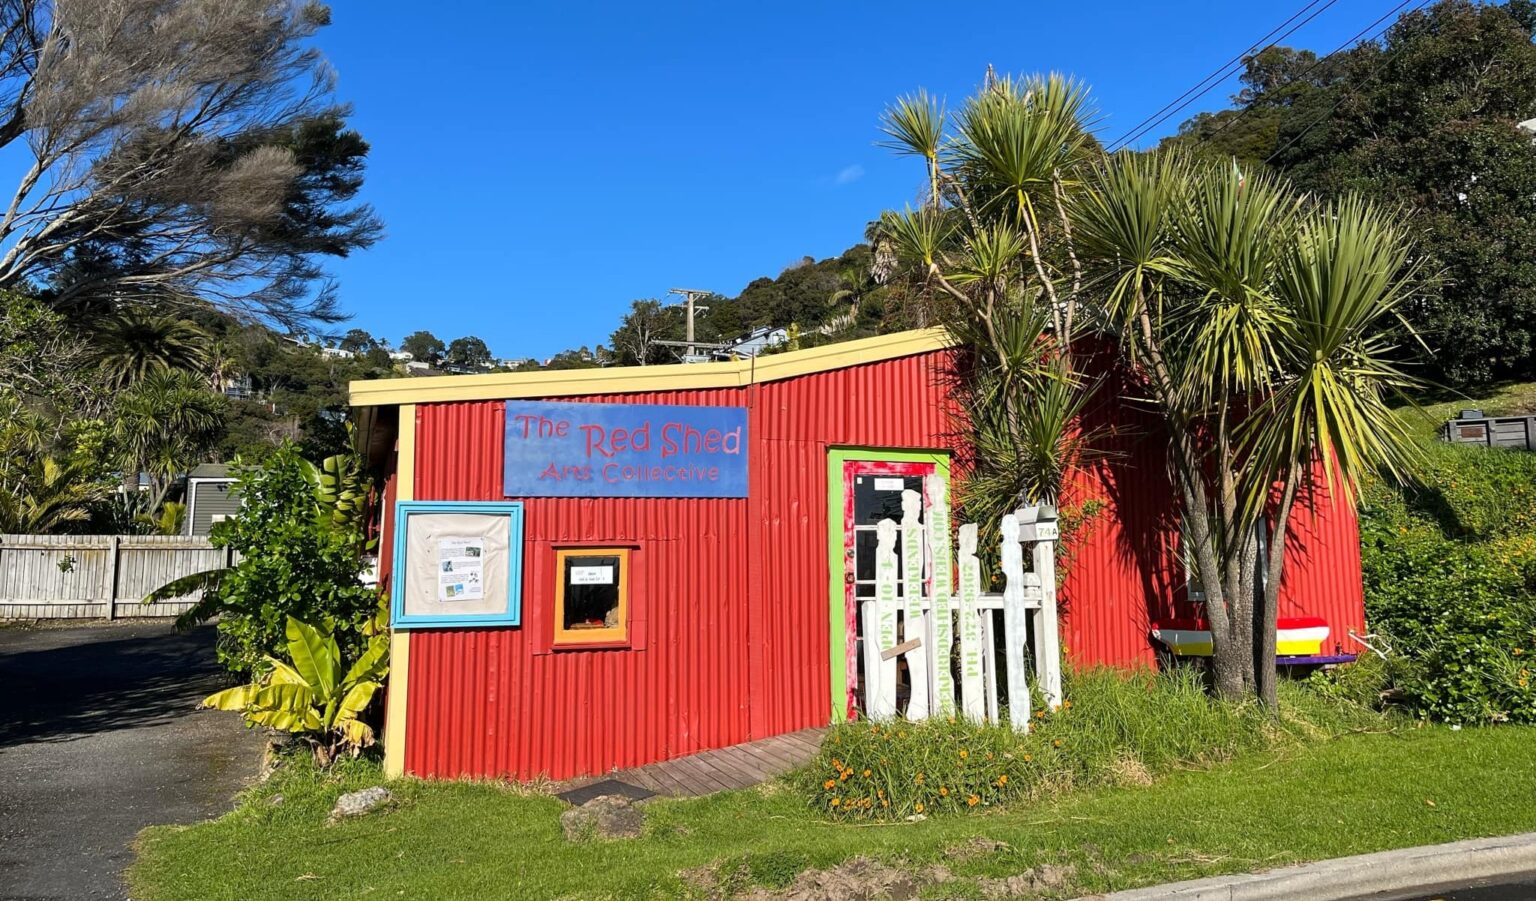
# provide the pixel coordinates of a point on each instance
(1450, 586)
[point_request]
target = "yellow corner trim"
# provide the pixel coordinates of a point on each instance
(400, 642)
(405, 456)
(625, 379)
(394, 704)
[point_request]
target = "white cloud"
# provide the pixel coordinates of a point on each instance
(849, 174)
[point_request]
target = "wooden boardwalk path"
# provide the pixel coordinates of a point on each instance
(723, 769)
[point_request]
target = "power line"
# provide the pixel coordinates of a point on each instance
(1344, 94)
(1219, 75)
(1316, 63)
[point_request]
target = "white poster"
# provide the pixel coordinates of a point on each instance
(591, 575)
(461, 569)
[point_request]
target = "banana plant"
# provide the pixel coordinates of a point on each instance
(314, 697)
(341, 491)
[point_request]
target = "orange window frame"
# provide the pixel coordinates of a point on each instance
(613, 636)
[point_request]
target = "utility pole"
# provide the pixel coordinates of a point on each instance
(689, 295)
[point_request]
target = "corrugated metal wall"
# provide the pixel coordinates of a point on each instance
(1127, 570)
(729, 598)
(896, 404)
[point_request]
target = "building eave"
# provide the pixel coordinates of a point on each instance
(632, 379)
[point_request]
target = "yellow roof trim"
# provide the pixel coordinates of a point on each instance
(625, 379)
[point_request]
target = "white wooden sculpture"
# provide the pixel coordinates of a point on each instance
(1015, 637)
(941, 619)
(880, 667)
(925, 619)
(914, 616)
(972, 688)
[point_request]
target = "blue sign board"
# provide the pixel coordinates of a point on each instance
(624, 450)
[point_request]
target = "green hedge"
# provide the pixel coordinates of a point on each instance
(1450, 585)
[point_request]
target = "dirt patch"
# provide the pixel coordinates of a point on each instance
(1046, 877)
(855, 879)
(974, 847)
(1129, 771)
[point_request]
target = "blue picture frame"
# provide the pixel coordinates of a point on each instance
(511, 616)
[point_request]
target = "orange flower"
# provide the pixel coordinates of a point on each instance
(918, 779)
(880, 793)
(836, 801)
(845, 775)
(1066, 705)
(943, 792)
(972, 801)
(1519, 651)
(867, 771)
(1055, 742)
(829, 784)
(989, 755)
(1003, 779)
(1039, 714)
(836, 764)
(919, 807)
(1028, 757)
(964, 753)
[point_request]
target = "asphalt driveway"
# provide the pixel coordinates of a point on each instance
(100, 737)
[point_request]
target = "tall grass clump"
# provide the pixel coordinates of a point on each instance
(1116, 728)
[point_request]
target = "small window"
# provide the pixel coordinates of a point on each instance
(592, 596)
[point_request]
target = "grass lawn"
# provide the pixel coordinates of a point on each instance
(1350, 795)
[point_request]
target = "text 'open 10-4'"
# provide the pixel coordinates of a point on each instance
(624, 450)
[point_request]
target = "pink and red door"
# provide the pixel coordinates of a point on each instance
(871, 491)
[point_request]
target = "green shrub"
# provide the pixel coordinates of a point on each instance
(298, 556)
(1450, 586)
(1115, 728)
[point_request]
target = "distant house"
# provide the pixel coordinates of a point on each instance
(337, 353)
(210, 497)
(237, 387)
(754, 343)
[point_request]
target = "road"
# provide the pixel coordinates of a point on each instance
(1511, 888)
(100, 737)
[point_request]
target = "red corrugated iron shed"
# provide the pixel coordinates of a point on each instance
(730, 597)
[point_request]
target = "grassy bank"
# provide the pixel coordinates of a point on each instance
(1360, 792)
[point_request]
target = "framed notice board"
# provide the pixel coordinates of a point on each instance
(457, 564)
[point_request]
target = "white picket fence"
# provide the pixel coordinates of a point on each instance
(923, 623)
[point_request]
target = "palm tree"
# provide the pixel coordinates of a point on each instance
(979, 248)
(1262, 326)
(1258, 321)
(132, 344)
(162, 426)
(51, 495)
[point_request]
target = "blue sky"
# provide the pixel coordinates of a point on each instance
(538, 166)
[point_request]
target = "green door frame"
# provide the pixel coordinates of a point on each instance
(836, 593)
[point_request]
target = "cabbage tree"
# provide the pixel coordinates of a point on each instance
(1262, 324)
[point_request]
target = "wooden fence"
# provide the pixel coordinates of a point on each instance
(926, 623)
(97, 576)
(1518, 432)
